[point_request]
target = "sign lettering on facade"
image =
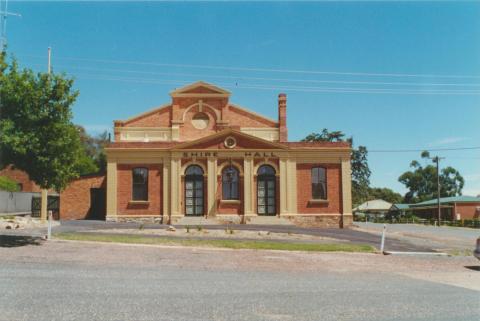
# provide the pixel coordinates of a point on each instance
(215, 154)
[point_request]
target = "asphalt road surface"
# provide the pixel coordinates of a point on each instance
(60, 280)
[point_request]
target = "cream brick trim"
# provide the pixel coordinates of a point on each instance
(346, 186)
(275, 167)
(248, 186)
(193, 162)
(227, 163)
(270, 134)
(144, 134)
(212, 186)
(111, 188)
(166, 190)
(175, 185)
(202, 104)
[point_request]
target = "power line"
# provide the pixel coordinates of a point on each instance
(202, 76)
(256, 69)
(421, 150)
(291, 88)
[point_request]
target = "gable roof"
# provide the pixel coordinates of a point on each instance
(400, 206)
(206, 90)
(250, 112)
(446, 200)
(144, 114)
(374, 205)
(230, 132)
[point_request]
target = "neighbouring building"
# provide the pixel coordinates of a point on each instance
(24, 183)
(201, 155)
(452, 208)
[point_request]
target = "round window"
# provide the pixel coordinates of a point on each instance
(200, 120)
(230, 142)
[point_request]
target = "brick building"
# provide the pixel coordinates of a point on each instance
(201, 155)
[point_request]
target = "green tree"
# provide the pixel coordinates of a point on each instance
(385, 194)
(359, 163)
(37, 134)
(421, 182)
(7, 184)
(94, 149)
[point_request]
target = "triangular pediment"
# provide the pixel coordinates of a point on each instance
(200, 88)
(224, 139)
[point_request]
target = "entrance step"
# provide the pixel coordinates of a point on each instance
(268, 220)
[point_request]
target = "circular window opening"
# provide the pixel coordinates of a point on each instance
(230, 142)
(200, 120)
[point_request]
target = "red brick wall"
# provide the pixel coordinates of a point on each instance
(158, 118)
(304, 190)
(75, 199)
(124, 190)
(20, 177)
(229, 207)
(282, 117)
(468, 210)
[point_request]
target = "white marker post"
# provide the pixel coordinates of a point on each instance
(382, 243)
(49, 230)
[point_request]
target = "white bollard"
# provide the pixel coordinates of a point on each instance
(49, 229)
(382, 243)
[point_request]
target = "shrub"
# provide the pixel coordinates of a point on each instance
(7, 184)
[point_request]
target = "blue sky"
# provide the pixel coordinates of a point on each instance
(327, 56)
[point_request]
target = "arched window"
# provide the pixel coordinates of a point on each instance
(230, 183)
(266, 170)
(140, 184)
(319, 183)
(194, 170)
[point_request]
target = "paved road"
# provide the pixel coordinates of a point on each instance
(439, 238)
(61, 280)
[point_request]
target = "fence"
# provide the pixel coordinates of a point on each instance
(53, 205)
(16, 202)
(473, 223)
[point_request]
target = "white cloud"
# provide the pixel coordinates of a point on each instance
(448, 140)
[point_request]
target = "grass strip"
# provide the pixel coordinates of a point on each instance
(231, 244)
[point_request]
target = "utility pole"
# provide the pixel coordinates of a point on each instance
(44, 195)
(4, 13)
(436, 160)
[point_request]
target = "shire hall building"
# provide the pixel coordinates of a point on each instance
(202, 155)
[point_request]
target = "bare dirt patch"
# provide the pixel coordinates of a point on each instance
(224, 234)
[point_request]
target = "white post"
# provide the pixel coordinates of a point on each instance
(49, 230)
(382, 244)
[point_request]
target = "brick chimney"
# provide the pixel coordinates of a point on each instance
(282, 117)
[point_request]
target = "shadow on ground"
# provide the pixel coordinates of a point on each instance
(473, 267)
(17, 241)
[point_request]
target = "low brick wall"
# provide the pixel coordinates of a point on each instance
(75, 202)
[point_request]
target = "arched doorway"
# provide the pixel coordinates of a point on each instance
(266, 190)
(194, 190)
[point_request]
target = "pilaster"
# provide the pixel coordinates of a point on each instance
(111, 189)
(346, 187)
(212, 186)
(288, 186)
(248, 186)
(175, 166)
(166, 190)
